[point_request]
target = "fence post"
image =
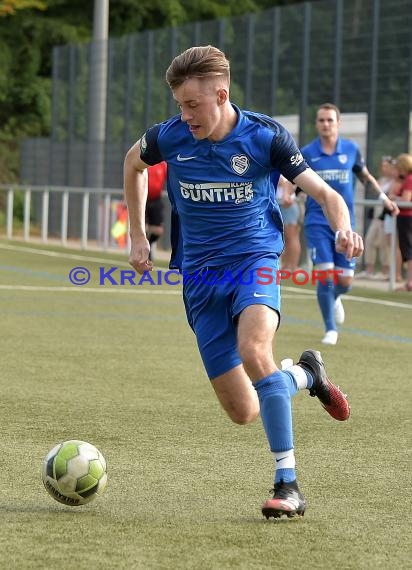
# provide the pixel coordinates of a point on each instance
(392, 256)
(274, 77)
(45, 216)
(65, 215)
(106, 221)
(85, 220)
(303, 103)
(26, 215)
(10, 199)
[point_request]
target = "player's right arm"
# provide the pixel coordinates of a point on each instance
(135, 192)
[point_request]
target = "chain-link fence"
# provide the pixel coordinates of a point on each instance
(284, 61)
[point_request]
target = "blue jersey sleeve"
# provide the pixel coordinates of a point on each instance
(285, 155)
(150, 151)
(359, 162)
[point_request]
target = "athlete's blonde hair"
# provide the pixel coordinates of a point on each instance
(199, 61)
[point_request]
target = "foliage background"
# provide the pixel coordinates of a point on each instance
(29, 29)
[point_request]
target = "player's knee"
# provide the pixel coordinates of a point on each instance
(243, 415)
(254, 358)
(345, 281)
(249, 352)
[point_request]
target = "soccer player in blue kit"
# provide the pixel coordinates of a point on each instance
(230, 237)
(338, 161)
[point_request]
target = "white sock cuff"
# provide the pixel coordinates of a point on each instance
(286, 363)
(285, 459)
(299, 375)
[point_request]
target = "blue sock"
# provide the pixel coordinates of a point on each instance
(341, 290)
(276, 414)
(326, 300)
(287, 475)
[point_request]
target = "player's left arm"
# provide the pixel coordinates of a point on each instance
(336, 212)
(370, 182)
(286, 156)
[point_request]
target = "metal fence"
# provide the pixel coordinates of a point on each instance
(285, 61)
(108, 200)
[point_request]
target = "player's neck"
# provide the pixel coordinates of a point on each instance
(227, 123)
(329, 144)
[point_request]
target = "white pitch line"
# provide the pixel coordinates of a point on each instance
(81, 289)
(381, 302)
(84, 289)
(62, 255)
(294, 296)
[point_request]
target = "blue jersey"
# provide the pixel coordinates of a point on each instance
(221, 192)
(338, 171)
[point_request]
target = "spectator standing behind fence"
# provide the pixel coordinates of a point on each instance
(290, 210)
(403, 193)
(376, 242)
(220, 159)
(336, 160)
(156, 183)
(390, 227)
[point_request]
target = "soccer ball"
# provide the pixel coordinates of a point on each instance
(74, 473)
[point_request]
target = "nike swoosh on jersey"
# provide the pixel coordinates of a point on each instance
(316, 158)
(261, 295)
(183, 158)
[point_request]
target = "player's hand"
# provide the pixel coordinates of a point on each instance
(139, 255)
(349, 243)
(392, 207)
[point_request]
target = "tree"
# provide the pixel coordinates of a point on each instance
(29, 29)
(28, 32)
(8, 7)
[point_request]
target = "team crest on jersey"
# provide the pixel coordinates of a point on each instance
(343, 158)
(240, 163)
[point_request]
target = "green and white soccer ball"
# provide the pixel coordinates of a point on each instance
(74, 473)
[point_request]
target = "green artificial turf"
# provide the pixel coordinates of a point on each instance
(118, 366)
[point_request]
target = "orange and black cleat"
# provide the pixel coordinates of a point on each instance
(331, 397)
(287, 500)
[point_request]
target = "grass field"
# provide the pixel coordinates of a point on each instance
(118, 366)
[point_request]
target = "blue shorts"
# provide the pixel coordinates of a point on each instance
(320, 241)
(214, 299)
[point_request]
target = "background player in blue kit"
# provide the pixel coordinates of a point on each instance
(338, 161)
(229, 234)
